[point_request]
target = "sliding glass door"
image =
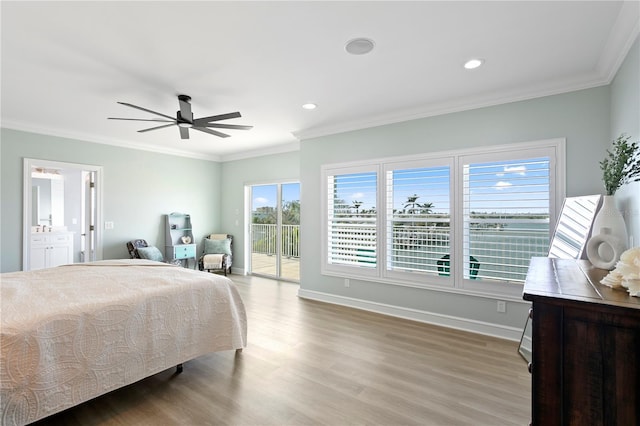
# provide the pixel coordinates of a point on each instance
(274, 230)
(290, 232)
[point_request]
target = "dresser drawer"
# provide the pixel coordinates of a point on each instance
(184, 251)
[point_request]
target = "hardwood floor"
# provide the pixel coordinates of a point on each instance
(313, 363)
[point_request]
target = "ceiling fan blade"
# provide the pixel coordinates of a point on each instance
(227, 126)
(184, 132)
(185, 108)
(211, 132)
(142, 119)
(201, 121)
(146, 110)
(156, 128)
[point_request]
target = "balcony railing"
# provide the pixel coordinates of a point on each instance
(264, 239)
(503, 250)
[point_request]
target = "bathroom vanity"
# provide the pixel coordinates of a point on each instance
(49, 249)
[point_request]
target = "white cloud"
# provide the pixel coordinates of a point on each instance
(521, 170)
(260, 200)
(502, 185)
(357, 196)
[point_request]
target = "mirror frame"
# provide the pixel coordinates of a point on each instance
(27, 198)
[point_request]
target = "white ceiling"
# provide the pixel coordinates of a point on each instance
(65, 64)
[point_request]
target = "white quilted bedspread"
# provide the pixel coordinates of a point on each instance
(71, 333)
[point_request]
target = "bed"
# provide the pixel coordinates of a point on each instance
(74, 332)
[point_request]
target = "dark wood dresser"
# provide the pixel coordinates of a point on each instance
(586, 346)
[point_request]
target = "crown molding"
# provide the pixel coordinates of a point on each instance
(24, 127)
(47, 131)
(622, 36)
(460, 105)
(276, 149)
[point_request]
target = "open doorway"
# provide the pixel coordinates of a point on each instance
(274, 232)
(61, 212)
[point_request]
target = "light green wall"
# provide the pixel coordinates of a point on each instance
(625, 118)
(237, 174)
(139, 187)
(581, 117)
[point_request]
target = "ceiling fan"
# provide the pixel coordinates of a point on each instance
(185, 121)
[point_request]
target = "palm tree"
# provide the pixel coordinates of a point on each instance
(291, 212)
(412, 208)
(416, 207)
(357, 205)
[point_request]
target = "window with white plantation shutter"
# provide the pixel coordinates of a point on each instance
(352, 219)
(505, 217)
(418, 219)
(465, 220)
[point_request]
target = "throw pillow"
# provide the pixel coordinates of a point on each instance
(150, 253)
(217, 246)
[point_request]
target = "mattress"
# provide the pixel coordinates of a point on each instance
(74, 332)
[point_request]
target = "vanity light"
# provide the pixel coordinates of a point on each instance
(310, 106)
(473, 63)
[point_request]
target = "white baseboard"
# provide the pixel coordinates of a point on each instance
(480, 327)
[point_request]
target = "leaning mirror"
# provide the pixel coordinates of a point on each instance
(574, 227)
(569, 240)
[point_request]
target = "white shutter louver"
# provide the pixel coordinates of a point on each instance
(418, 219)
(352, 223)
(505, 217)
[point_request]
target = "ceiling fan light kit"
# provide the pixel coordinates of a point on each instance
(185, 121)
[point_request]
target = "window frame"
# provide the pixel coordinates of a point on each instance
(337, 269)
(413, 163)
(555, 149)
(490, 286)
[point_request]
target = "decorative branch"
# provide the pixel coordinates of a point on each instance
(622, 164)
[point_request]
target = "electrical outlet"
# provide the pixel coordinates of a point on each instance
(502, 306)
(346, 282)
(108, 225)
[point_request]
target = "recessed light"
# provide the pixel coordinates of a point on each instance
(310, 106)
(473, 63)
(359, 46)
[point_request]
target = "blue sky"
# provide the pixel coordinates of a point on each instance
(266, 195)
(491, 187)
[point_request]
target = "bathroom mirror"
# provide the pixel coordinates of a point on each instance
(569, 240)
(47, 186)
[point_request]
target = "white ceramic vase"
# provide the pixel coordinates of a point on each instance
(608, 237)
